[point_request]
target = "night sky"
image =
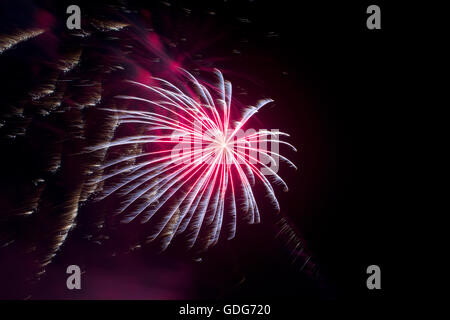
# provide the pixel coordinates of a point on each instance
(329, 78)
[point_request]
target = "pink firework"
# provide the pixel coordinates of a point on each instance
(191, 164)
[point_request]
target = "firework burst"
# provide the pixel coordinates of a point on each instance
(192, 165)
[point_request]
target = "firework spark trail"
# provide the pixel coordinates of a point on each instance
(220, 178)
